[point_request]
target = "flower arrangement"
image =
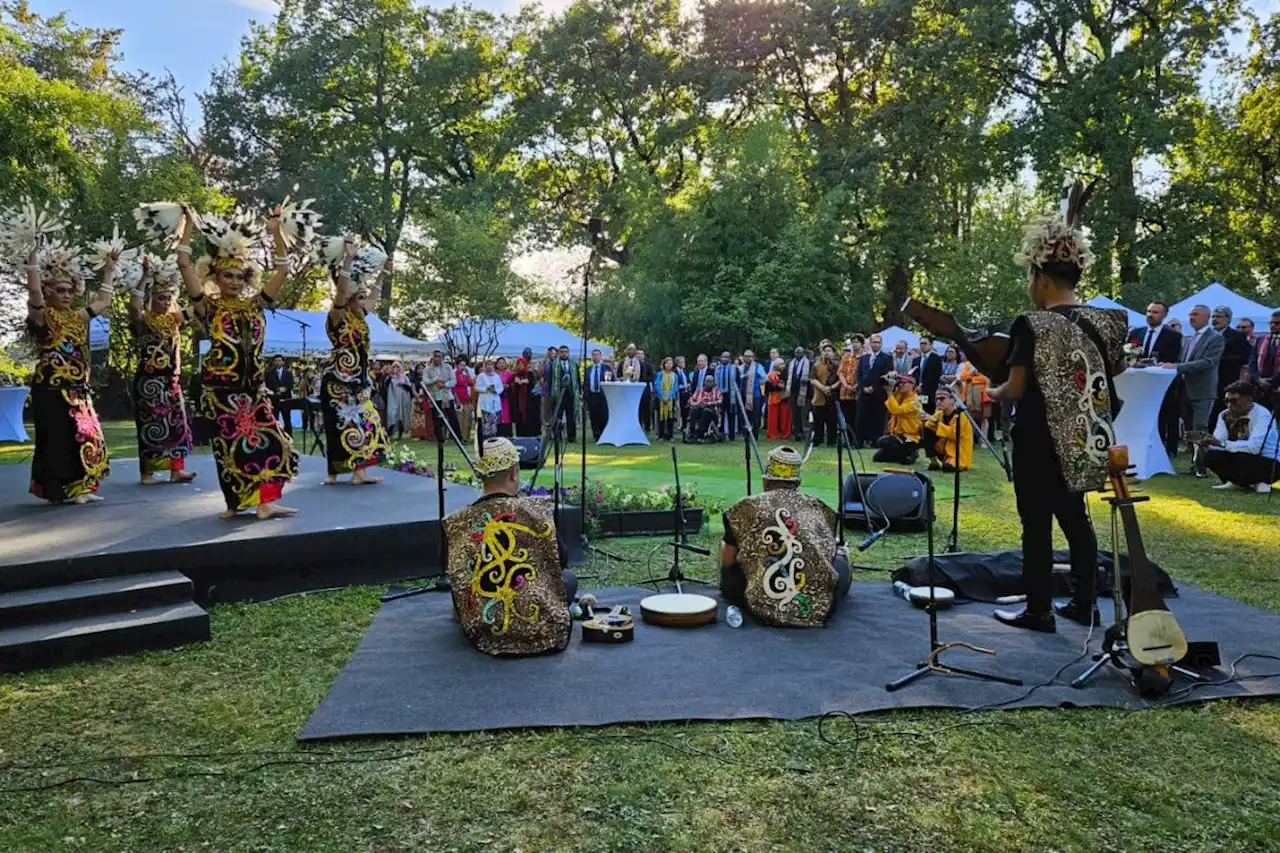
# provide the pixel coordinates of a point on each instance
(1132, 353)
(406, 462)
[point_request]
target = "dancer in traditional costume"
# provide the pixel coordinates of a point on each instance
(1062, 359)
(353, 434)
(506, 565)
(254, 456)
(779, 557)
(164, 435)
(71, 455)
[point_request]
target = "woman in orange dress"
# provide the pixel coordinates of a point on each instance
(775, 385)
(973, 387)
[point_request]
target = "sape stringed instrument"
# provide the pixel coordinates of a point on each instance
(1153, 635)
(986, 348)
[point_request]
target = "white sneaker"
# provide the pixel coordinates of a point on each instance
(1222, 487)
(1262, 488)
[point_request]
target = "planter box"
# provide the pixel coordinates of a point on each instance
(646, 522)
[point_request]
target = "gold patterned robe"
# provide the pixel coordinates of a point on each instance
(505, 572)
(786, 548)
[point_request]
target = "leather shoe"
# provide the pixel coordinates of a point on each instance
(1042, 622)
(1079, 612)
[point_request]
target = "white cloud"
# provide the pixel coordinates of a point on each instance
(257, 5)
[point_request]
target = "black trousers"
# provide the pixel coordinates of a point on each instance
(597, 412)
(666, 428)
(1042, 496)
(451, 417)
(895, 450)
(799, 419)
(1243, 469)
(752, 417)
(570, 414)
(1170, 408)
(871, 418)
(733, 583)
(849, 408)
(646, 409)
(700, 420)
(824, 424)
(729, 420)
(284, 413)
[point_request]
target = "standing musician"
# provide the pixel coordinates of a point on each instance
(1062, 358)
(506, 566)
(947, 435)
(779, 557)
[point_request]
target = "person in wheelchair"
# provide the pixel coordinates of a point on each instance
(706, 408)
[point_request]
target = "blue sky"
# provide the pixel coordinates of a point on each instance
(190, 37)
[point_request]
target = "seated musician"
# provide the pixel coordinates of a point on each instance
(704, 407)
(779, 557)
(906, 410)
(506, 566)
(947, 434)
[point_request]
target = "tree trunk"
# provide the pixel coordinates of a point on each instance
(1126, 226)
(896, 290)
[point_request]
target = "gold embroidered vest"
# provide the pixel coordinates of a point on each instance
(1073, 378)
(785, 548)
(504, 568)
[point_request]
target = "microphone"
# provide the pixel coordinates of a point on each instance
(873, 538)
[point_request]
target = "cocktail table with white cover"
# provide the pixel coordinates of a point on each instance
(12, 399)
(624, 414)
(1142, 389)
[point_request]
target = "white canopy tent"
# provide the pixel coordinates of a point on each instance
(1219, 294)
(99, 333)
(1136, 320)
(890, 336)
(295, 333)
(514, 337)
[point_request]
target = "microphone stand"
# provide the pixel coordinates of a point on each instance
(679, 540)
(936, 648)
(751, 444)
(440, 551)
(307, 427)
(844, 439)
(953, 545)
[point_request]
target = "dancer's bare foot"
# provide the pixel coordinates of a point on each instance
(81, 500)
(331, 480)
(182, 476)
(360, 478)
(229, 514)
(150, 480)
(273, 510)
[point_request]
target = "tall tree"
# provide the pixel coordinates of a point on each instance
(375, 107)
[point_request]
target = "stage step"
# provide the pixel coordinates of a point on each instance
(86, 598)
(64, 641)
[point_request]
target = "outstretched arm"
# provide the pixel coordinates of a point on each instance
(342, 286)
(136, 306)
(195, 288)
(35, 295)
(101, 301)
(281, 273)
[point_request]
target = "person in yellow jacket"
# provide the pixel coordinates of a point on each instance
(906, 414)
(948, 435)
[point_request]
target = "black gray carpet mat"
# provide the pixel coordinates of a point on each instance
(414, 672)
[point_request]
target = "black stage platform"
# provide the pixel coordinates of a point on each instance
(342, 534)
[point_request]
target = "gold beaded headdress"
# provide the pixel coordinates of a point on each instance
(499, 455)
(784, 465)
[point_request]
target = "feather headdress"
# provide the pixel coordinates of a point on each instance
(26, 226)
(100, 251)
(61, 262)
(165, 275)
(159, 220)
(298, 223)
(364, 266)
(233, 241)
(1058, 239)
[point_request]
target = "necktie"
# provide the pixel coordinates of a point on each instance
(1146, 347)
(1269, 362)
(1191, 345)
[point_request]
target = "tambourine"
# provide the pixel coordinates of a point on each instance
(678, 610)
(616, 626)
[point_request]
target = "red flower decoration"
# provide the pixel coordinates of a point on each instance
(1079, 380)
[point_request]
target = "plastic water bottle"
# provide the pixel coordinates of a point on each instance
(733, 616)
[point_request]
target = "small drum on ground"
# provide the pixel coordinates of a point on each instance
(678, 610)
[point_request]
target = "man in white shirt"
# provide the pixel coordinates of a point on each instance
(1245, 446)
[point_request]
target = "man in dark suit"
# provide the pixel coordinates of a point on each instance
(928, 372)
(597, 407)
(728, 379)
(872, 367)
(1264, 372)
(646, 398)
(279, 381)
(1235, 356)
(1160, 344)
(1198, 372)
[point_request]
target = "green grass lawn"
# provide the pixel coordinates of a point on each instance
(198, 743)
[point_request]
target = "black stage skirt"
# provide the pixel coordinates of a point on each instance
(164, 436)
(353, 435)
(254, 456)
(71, 454)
